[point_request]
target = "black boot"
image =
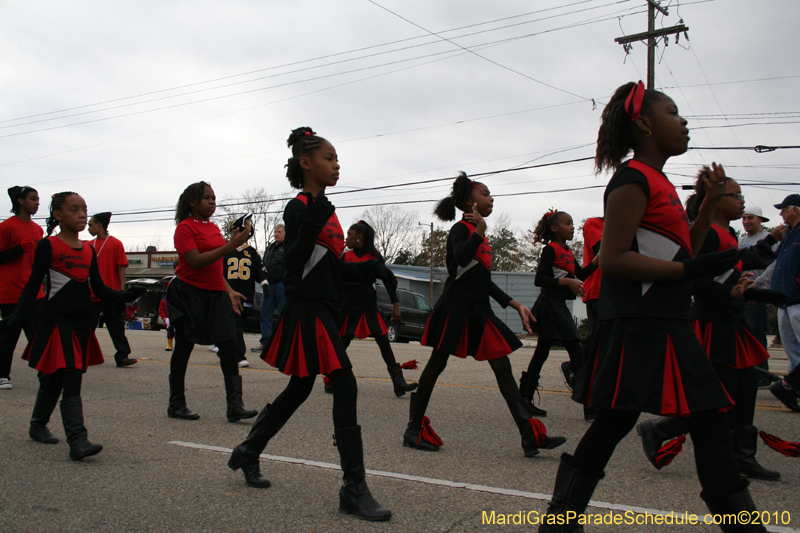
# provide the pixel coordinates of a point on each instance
(354, 496)
(590, 413)
(527, 388)
(177, 401)
(245, 455)
(72, 417)
(571, 494)
(233, 393)
(731, 504)
(401, 386)
(533, 432)
(42, 409)
(419, 434)
(655, 432)
(744, 442)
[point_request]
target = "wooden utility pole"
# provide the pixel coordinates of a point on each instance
(650, 35)
(430, 258)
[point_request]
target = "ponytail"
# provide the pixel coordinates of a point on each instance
(55, 205)
(302, 141)
(459, 197)
(365, 230)
(543, 234)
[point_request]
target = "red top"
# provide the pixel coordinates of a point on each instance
(15, 273)
(726, 242)
(484, 253)
(564, 260)
(350, 256)
(203, 236)
(331, 236)
(72, 263)
(110, 256)
(592, 234)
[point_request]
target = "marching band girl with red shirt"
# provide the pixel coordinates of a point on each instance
(463, 324)
(307, 342)
(63, 345)
(200, 303)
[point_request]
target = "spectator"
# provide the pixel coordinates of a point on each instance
(273, 264)
(785, 279)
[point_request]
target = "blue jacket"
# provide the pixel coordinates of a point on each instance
(787, 267)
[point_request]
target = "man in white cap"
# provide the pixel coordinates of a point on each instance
(755, 313)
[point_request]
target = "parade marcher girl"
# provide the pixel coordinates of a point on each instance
(112, 263)
(307, 342)
(200, 304)
(63, 345)
(361, 318)
(560, 279)
(18, 238)
(647, 358)
(463, 324)
(732, 348)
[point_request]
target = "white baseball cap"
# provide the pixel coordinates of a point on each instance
(757, 212)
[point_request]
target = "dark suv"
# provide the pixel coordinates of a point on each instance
(414, 312)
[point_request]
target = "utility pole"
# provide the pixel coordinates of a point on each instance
(430, 258)
(650, 35)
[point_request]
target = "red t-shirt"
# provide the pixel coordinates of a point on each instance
(110, 256)
(15, 273)
(203, 236)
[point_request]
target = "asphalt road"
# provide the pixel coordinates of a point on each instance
(161, 474)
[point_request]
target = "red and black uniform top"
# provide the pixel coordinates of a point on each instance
(592, 235)
(712, 296)
(18, 240)
(555, 263)
(243, 269)
(363, 291)
(314, 269)
(469, 266)
(70, 272)
(663, 234)
(203, 236)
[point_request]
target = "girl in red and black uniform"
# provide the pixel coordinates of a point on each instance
(307, 342)
(18, 238)
(561, 280)
(733, 350)
(201, 305)
(361, 316)
(646, 356)
(63, 346)
(463, 324)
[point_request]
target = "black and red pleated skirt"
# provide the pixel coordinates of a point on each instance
(729, 342)
(306, 341)
(464, 328)
(652, 365)
(59, 345)
(362, 321)
(553, 318)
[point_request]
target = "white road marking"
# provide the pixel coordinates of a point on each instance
(454, 484)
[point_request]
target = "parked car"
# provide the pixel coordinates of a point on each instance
(414, 312)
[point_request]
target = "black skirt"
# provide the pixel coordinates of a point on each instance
(553, 319)
(362, 320)
(651, 365)
(306, 341)
(461, 327)
(730, 342)
(207, 317)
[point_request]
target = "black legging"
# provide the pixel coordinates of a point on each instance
(345, 396)
(228, 360)
(542, 352)
(66, 381)
(383, 345)
(438, 362)
(742, 386)
(714, 460)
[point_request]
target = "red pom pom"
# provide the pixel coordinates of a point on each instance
(787, 448)
(410, 365)
(670, 451)
(428, 434)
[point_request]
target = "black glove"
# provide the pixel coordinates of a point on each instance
(775, 298)
(132, 294)
(319, 210)
(265, 289)
(710, 265)
(13, 322)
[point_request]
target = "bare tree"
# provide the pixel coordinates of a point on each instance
(395, 229)
(267, 212)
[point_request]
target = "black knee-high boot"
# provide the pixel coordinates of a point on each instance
(177, 400)
(233, 391)
(571, 495)
(77, 436)
(401, 386)
(730, 503)
(245, 455)
(655, 432)
(354, 496)
(528, 384)
(533, 432)
(42, 409)
(744, 441)
(419, 433)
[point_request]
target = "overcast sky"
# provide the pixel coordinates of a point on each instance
(128, 102)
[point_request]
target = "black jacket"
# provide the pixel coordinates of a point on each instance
(273, 263)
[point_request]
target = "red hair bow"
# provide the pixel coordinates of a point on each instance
(633, 103)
